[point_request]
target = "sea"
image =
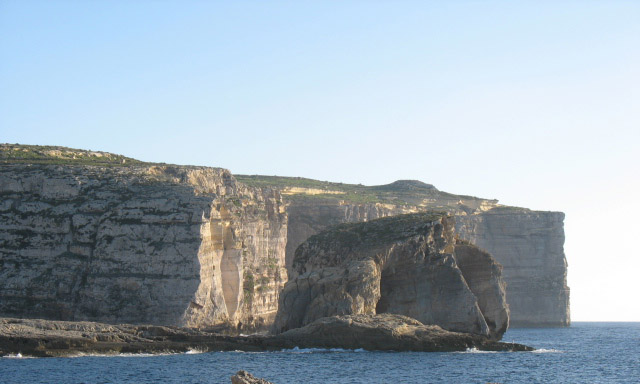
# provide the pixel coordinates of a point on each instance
(583, 353)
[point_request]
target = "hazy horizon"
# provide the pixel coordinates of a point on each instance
(535, 104)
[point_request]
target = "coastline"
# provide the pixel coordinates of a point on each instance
(46, 338)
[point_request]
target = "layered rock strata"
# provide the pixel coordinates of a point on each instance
(93, 235)
(403, 265)
(139, 244)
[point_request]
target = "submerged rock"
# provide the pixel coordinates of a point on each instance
(403, 265)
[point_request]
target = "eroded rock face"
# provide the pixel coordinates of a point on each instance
(484, 277)
(529, 246)
(139, 244)
(402, 264)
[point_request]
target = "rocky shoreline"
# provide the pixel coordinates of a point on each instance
(45, 338)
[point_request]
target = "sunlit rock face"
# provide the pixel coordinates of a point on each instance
(529, 245)
(402, 265)
(139, 244)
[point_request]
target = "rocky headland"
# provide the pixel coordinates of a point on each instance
(96, 237)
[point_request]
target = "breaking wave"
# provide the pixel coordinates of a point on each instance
(320, 350)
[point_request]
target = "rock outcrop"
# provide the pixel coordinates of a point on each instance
(138, 243)
(47, 338)
(387, 332)
(403, 265)
(244, 377)
(528, 244)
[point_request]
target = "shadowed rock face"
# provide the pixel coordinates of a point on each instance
(139, 244)
(403, 265)
(484, 277)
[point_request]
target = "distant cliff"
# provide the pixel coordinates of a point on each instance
(86, 236)
(528, 244)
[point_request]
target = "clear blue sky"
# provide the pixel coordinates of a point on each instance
(534, 103)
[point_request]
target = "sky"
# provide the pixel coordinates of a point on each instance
(533, 103)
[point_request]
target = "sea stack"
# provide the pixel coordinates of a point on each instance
(403, 265)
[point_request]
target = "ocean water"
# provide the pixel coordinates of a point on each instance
(582, 353)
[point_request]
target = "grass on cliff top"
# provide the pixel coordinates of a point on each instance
(55, 155)
(401, 192)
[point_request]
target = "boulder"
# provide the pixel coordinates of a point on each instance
(244, 377)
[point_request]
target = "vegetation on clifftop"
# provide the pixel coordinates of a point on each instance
(398, 193)
(54, 155)
(409, 195)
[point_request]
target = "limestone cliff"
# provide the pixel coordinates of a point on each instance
(94, 238)
(403, 265)
(528, 244)
(98, 236)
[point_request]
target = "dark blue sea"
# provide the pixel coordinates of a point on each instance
(583, 353)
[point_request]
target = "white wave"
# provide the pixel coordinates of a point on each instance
(476, 350)
(544, 350)
(320, 350)
(194, 351)
(18, 356)
(81, 354)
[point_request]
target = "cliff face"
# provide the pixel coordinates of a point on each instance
(309, 216)
(529, 245)
(403, 265)
(93, 235)
(139, 244)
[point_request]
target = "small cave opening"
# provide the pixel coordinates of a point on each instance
(386, 293)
